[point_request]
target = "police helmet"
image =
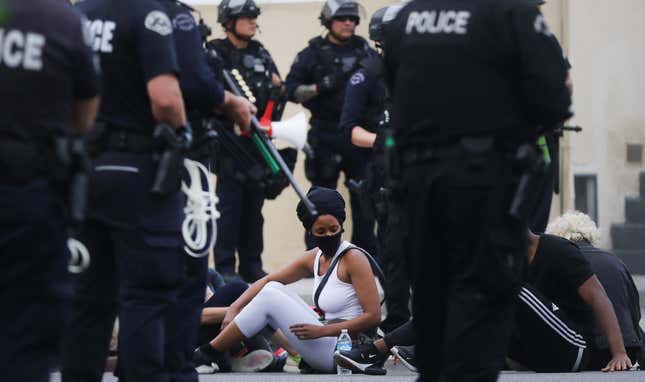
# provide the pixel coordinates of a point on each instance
(339, 8)
(231, 9)
(380, 19)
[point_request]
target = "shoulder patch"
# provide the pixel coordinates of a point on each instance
(158, 22)
(184, 22)
(357, 78)
(541, 27)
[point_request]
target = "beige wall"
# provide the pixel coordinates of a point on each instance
(606, 51)
(603, 40)
(285, 30)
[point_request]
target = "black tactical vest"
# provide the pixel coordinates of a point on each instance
(330, 62)
(256, 67)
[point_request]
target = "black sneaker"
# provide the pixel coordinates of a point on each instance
(208, 360)
(405, 354)
(363, 358)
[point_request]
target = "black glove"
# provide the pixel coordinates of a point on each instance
(379, 142)
(327, 84)
(185, 136)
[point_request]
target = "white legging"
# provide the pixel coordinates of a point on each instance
(280, 308)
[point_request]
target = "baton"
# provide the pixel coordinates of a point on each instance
(264, 143)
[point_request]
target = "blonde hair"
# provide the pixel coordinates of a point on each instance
(575, 226)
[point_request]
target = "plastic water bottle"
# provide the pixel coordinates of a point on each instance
(344, 343)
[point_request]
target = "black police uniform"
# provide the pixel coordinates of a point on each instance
(367, 104)
(201, 93)
(45, 64)
(240, 178)
(324, 62)
(472, 80)
(134, 237)
(540, 217)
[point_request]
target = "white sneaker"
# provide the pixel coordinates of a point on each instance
(207, 369)
(256, 360)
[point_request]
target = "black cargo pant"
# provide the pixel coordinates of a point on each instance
(394, 256)
(34, 282)
(139, 271)
(468, 256)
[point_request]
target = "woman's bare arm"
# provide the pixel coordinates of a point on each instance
(592, 292)
(362, 278)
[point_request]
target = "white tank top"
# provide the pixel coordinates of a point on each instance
(338, 299)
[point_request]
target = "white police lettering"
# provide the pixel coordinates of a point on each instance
(433, 22)
(357, 78)
(158, 22)
(102, 33)
(18, 49)
(540, 26)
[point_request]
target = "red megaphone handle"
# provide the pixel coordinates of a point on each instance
(266, 118)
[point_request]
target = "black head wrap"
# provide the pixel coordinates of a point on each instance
(327, 202)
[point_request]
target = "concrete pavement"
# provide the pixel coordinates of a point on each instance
(400, 374)
(397, 373)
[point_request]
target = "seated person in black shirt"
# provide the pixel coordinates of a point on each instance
(556, 309)
(614, 277)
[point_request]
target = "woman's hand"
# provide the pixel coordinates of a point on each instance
(231, 313)
(619, 362)
(307, 331)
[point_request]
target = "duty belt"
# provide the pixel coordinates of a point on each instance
(452, 150)
(415, 155)
(129, 142)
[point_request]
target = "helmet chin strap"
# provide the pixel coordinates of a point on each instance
(233, 31)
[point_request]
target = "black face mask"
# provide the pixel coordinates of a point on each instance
(327, 244)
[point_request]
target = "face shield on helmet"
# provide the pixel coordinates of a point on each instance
(341, 8)
(380, 19)
(230, 9)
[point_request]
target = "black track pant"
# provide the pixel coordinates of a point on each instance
(545, 339)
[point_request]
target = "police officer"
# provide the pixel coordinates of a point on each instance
(317, 79)
(241, 180)
(471, 84)
(46, 73)
(540, 217)
(203, 96)
(366, 121)
(133, 234)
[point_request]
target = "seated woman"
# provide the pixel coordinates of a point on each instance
(349, 299)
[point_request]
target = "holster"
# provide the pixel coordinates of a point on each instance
(322, 166)
(72, 154)
(362, 190)
(533, 174)
(169, 159)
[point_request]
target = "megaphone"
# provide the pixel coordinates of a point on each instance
(293, 130)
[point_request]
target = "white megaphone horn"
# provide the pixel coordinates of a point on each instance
(293, 130)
